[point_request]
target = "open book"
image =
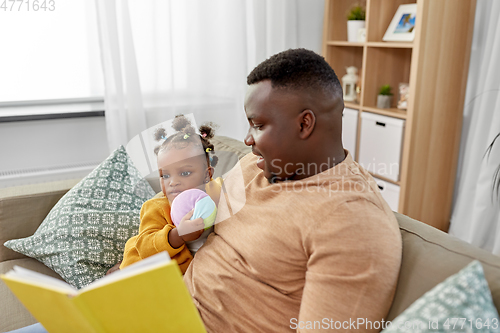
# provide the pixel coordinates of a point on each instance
(149, 296)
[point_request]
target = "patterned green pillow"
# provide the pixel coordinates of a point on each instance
(461, 303)
(85, 232)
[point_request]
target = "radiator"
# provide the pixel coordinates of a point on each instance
(42, 151)
(20, 177)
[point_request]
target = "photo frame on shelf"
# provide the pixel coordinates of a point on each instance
(402, 27)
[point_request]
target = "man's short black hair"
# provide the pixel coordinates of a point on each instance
(297, 69)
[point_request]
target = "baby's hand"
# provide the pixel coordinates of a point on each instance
(190, 230)
(114, 268)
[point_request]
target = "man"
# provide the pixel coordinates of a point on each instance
(315, 247)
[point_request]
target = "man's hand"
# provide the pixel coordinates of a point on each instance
(190, 230)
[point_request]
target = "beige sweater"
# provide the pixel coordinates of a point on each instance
(315, 253)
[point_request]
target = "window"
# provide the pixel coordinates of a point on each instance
(47, 55)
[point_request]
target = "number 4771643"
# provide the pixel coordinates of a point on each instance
(471, 324)
(28, 5)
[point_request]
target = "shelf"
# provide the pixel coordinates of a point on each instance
(341, 57)
(351, 105)
(395, 45)
(433, 64)
(385, 66)
(379, 16)
(336, 14)
(392, 112)
(344, 43)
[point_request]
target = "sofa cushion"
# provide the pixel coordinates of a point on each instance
(462, 303)
(85, 232)
(225, 143)
(429, 257)
(23, 208)
(13, 314)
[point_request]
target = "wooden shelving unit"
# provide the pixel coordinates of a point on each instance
(436, 66)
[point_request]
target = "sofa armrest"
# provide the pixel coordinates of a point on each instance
(23, 208)
(429, 257)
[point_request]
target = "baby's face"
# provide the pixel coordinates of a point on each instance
(182, 169)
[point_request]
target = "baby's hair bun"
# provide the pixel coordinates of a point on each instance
(207, 130)
(182, 124)
(160, 134)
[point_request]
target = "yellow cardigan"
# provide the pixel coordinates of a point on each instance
(154, 228)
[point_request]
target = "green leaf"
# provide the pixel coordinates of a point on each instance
(385, 90)
(357, 13)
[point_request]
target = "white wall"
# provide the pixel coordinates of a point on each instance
(310, 25)
(46, 144)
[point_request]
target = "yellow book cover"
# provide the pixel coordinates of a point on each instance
(149, 296)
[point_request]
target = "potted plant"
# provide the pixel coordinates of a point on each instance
(355, 21)
(384, 98)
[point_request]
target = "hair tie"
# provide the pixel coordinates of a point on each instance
(204, 135)
(186, 136)
(208, 149)
(164, 137)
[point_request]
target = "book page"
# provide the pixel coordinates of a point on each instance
(137, 268)
(42, 280)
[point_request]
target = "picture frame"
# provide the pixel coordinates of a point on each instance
(402, 27)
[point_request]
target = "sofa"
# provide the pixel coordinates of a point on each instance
(429, 255)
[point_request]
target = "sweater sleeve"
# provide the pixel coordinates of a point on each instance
(153, 237)
(352, 268)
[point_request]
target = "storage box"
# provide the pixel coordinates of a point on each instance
(380, 146)
(390, 193)
(349, 128)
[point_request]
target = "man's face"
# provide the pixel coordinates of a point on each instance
(182, 169)
(273, 118)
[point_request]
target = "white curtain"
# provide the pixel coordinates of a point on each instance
(476, 212)
(125, 115)
(162, 58)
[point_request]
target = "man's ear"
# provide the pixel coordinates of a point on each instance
(307, 123)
